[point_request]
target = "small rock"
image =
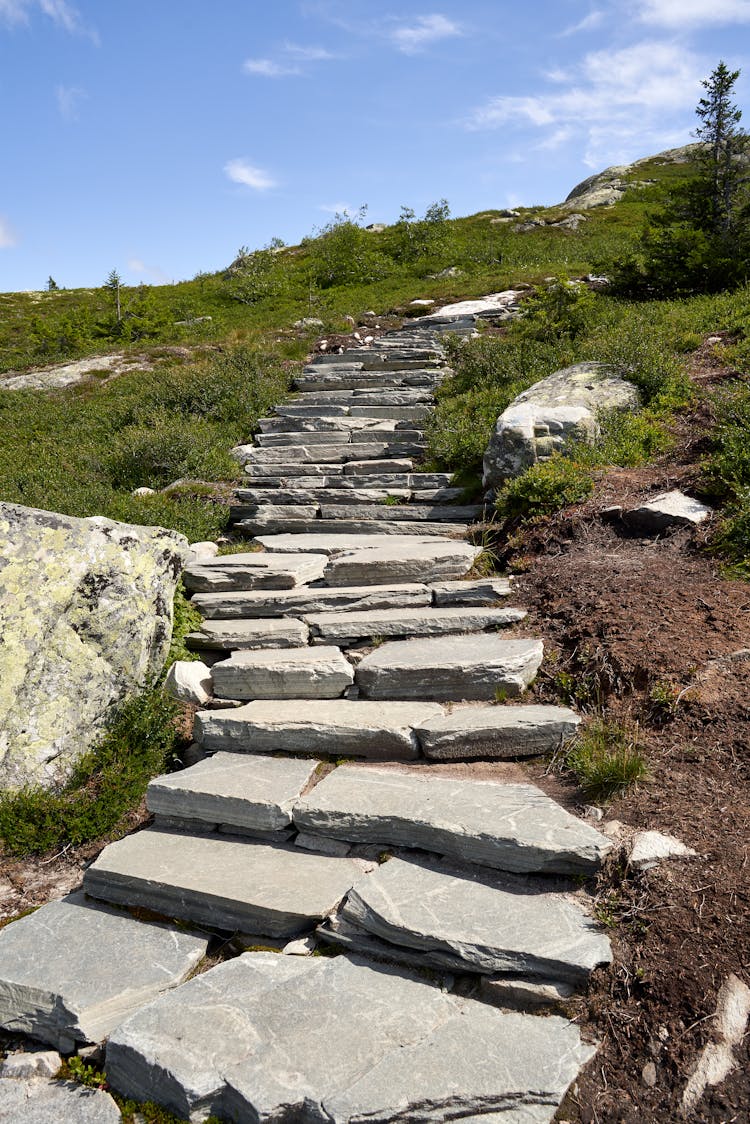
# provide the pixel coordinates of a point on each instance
(649, 847)
(143, 492)
(305, 946)
(369, 339)
(192, 755)
(204, 549)
(308, 322)
(648, 1074)
(591, 812)
(189, 681)
(669, 509)
(37, 1063)
(714, 340)
(422, 303)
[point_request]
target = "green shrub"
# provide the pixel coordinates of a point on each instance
(606, 759)
(164, 449)
(561, 309)
(544, 488)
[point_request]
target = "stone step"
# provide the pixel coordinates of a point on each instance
(402, 561)
(217, 607)
(513, 827)
(487, 732)
(37, 1100)
(385, 467)
(225, 883)
(295, 439)
(337, 728)
(297, 409)
(71, 971)
(450, 668)
(427, 513)
(405, 396)
(479, 591)
(293, 497)
(329, 454)
(249, 1040)
(252, 570)
(252, 794)
(368, 380)
(469, 921)
(236, 635)
(353, 627)
(290, 471)
(261, 525)
(325, 424)
(408, 481)
(287, 673)
(395, 360)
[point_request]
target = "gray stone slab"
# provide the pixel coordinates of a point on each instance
(72, 970)
(298, 409)
(261, 525)
(302, 437)
(337, 728)
(251, 792)
(287, 497)
(351, 627)
(267, 512)
(331, 543)
(497, 731)
(253, 570)
(222, 882)
(669, 509)
(319, 454)
(476, 922)
(421, 480)
(413, 512)
(402, 413)
(285, 673)
(37, 1101)
(248, 634)
(244, 1041)
(401, 560)
(372, 466)
(451, 668)
(513, 827)
(405, 396)
(481, 591)
(298, 602)
(289, 469)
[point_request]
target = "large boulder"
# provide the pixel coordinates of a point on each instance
(85, 621)
(561, 409)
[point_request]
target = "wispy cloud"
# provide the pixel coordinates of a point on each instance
(68, 100)
(14, 12)
(415, 37)
(291, 60)
(267, 68)
(8, 236)
(243, 172)
(142, 271)
(685, 14)
(617, 103)
(589, 23)
(337, 208)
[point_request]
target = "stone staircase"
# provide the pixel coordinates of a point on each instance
(359, 668)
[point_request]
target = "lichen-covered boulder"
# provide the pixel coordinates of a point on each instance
(553, 413)
(85, 620)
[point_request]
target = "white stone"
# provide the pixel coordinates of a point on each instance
(649, 847)
(143, 492)
(37, 1063)
(669, 509)
(38, 1101)
(204, 549)
(284, 673)
(189, 681)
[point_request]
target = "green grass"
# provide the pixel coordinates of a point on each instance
(606, 760)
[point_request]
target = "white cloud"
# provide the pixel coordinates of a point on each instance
(619, 103)
(337, 208)
(241, 171)
(588, 23)
(307, 54)
(8, 236)
(425, 30)
(68, 99)
(683, 14)
(149, 272)
(267, 68)
(59, 11)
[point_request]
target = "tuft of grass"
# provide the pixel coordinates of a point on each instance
(606, 759)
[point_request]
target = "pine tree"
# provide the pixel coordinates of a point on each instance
(723, 175)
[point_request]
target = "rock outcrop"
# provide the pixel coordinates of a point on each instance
(554, 412)
(85, 620)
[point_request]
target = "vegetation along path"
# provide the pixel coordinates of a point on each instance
(356, 792)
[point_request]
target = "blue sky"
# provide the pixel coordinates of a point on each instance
(157, 137)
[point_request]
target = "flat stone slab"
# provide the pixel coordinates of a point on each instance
(513, 827)
(291, 469)
(481, 591)
(282, 497)
(244, 1042)
(403, 561)
(72, 970)
(670, 509)
(321, 672)
(407, 512)
(451, 668)
(320, 454)
(248, 634)
(252, 792)
(331, 543)
(254, 570)
(228, 884)
(281, 525)
(299, 602)
(351, 627)
(36, 1101)
(336, 728)
(372, 466)
(476, 922)
(497, 731)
